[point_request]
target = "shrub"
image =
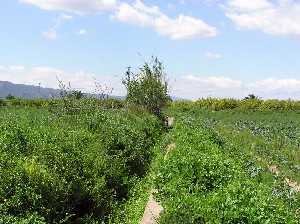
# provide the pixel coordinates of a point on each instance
(111, 103)
(251, 97)
(15, 102)
(250, 103)
(2, 102)
(148, 87)
(76, 94)
(57, 169)
(10, 97)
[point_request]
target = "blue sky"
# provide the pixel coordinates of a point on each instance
(225, 48)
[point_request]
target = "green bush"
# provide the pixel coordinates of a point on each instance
(111, 103)
(26, 219)
(10, 97)
(2, 102)
(148, 87)
(70, 168)
(245, 104)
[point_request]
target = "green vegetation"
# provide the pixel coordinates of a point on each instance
(71, 167)
(245, 104)
(148, 87)
(10, 97)
(220, 170)
(83, 160)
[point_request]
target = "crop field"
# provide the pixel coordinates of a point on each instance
(231, 165)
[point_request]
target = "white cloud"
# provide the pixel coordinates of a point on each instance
(181, 27)
(277, 88)
(16, 67)
(48, 77)
(51, 33)
(194, 87)
(74, 6)
(82, 32)
(216, 82)
(278, 17)
(189, 87)
(271, 84)
(245, 6)
(137, 13)
(213, 55)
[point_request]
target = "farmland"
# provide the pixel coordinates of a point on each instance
(227, 164)
(231, 166)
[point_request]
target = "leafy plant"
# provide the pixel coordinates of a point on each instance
(2, 102)
(251, 97)
(214, 174)
(148, 88)
(56, 169)
(10, 97)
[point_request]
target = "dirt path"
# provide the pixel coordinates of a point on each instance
(152, 211)
(153, 208)
(292, 184)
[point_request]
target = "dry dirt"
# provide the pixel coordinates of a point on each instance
(292, 184)
(153, 208)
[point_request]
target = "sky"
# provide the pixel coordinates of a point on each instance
(210, 48)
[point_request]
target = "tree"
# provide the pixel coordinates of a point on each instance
(148, 88)
(76, 94)
(251, 97)
(10, 97)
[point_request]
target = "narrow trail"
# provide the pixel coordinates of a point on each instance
(292, 184)
(152, 211)
(153, 208)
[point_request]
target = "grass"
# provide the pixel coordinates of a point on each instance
(219, 171)
(67, 168)
(77, 162)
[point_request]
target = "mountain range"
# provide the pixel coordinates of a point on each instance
(26, 91)
(31, 92)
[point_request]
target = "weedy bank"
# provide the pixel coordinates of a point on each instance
(77, 167)
(79, 159)
(64, 163)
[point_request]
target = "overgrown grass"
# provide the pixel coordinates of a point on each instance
(91, 161)
(86, 103)
(227, 104)
(71, 168)
(213, 175)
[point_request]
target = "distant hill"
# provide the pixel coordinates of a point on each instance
(26, 91)
(31, 92)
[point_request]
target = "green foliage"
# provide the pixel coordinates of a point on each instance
(212, 176)
(251, 97)
(214, 104)
(10, 97)
(251, 103)
(110, 103)
(94, 163)
(148, 87)
(71, 168)
(76, 94)
(26, 219)
(2, 102)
